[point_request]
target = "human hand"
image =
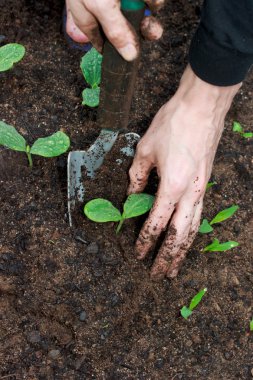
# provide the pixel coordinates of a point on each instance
(181, 144)
(88, 14)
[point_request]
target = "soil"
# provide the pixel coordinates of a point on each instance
(76, 304)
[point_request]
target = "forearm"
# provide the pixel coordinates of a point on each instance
(221, 51)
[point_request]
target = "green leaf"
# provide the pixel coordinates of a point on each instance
(51, 146)
(247, 135)
(91, 97)
(210, 184)
(185, 312)
(197, 298)
(205, 227)
(237, 127)
(100, 210)
(91, 67)
(216, 246)
(10, 138)
(224, 214)
(137, 204)
(251, 325)
(10, 54)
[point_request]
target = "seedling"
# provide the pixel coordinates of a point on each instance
(216, 246)
(187, 311)
(91, 68)
(251, 325)
(50, 146)
(210, 184)
(206, 226)
(101, 210)
(10, 54)
(239, 129)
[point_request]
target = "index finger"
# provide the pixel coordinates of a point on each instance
(156, 223)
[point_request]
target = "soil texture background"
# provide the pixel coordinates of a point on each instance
(76, 304)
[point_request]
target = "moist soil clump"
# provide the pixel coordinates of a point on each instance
(76, 304)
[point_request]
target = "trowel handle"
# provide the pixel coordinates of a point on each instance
(119, 76)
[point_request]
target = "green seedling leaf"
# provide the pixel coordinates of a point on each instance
(51, 146)
(101, 210)
(205, 227)
(137, 204)
(10, 54)
(210, 184)
(196, 299)
(91, 67)
(247, 135)
(10, 138)
(91, 97)
(251, 325)
(237, 127)
(185, 312)
(224, 214)
(216, 246)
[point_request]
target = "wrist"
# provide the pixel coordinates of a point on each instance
(203, 95)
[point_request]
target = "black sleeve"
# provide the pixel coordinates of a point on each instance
(221, 50)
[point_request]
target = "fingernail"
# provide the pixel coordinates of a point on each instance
(128, 52)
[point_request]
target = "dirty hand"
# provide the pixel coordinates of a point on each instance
(88, 14)
(181, 144)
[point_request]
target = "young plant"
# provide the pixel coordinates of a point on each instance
(239, 129)
(210, 184)
(251, 325)
(10, 54)
(187, 311)
(206, 226)
(50, 146)
(216, 246)
(101, 210)
(91, 64)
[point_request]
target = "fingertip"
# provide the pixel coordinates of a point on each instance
(129, 52)
(151, 28)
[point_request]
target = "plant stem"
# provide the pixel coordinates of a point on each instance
(119, 225)
(29, 156)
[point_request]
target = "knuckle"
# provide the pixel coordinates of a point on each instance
(177, 186)
(143, 150)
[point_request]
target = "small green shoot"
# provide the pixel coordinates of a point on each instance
(10, 54)
(101, 210)
(206, 226)
(187, 311)
(210, 184)
(239, 129)
(91, 64)
(216, 246)
(251, 325)
(50, 146)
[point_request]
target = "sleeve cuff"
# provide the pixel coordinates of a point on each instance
(216, 64)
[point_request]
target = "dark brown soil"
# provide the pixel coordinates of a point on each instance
(77, 304)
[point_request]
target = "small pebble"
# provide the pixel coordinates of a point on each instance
(92, 248)
(159, 363)
(83, 316)
(34, 337)
(53, 354)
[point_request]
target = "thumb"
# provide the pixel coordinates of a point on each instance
(116, 28)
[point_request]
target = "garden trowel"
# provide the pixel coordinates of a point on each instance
(116, 92)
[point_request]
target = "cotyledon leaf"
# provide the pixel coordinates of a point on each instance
(224, 214)
(91, 97)
(10, 138)
(197, 298)
(137, 204)
(51, 146)
(91, 67)
(216, 246)
(101, 210)
(205, 227)
(10, 54)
